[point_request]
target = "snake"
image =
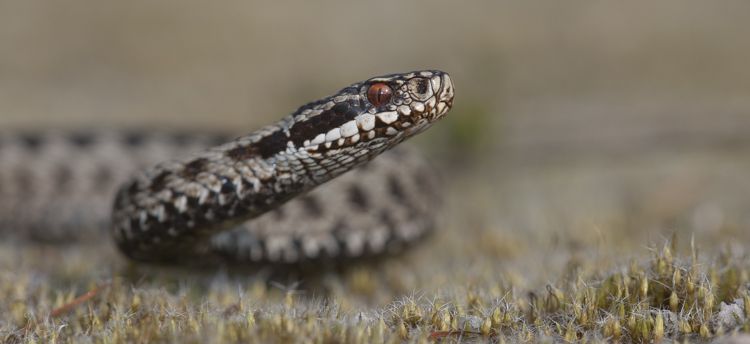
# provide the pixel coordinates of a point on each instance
(306, 188)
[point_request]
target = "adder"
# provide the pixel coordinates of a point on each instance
(260, 198)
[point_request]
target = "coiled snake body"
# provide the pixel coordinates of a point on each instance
(196, 209)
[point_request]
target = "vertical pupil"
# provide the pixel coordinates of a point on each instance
(379, 94)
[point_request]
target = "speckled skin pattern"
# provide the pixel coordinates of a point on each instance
(196, 209)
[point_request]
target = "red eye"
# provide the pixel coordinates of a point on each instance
(379, 94)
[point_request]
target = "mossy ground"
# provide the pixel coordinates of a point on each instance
(669, 296)
(535, 269)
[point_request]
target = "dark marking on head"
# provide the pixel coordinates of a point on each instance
(194, 167)
(338, 121)
(340, 108)
(313, 127)
(325, 117)
(353, 112)
(357, 198)
(311, 205)
(31, 141)
(321, 124)
(302, 131)
(157, 183)
(272, 144)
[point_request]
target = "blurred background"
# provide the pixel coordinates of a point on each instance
(580, 129)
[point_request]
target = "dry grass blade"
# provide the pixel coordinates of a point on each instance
(68, 306)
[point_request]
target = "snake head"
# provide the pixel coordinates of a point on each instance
(374, 114)
(410, 102)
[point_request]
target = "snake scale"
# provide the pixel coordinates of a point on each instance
(254, 199)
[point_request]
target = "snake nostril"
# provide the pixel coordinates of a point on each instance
(379, 94)
(420, 89)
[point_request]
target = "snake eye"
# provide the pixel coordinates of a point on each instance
(379, 94)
